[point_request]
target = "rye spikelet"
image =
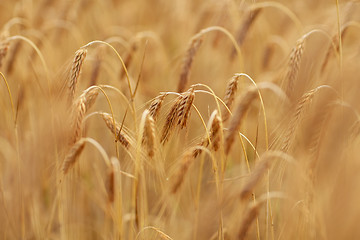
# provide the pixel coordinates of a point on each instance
(149, 134)
(215, 135)
(194, 45)
(230, 92)
(294, 65)
(75, 70)
(115, 129)
(261, 167)
(81, 106)
(186, 161)
(249, 218)
(245, 27)
(238, 116)
(155, 106)
(73, 155)
(185, 106)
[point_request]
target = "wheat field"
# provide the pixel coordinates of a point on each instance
(183, 119)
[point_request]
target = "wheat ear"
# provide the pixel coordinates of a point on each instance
(230, 93)
(194, 45)
(155, 106)
(149, 134)
(238, 116)
(73, 155)
(115, 129)
(75, 70)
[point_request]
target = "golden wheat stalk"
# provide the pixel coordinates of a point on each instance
(238, 116)
(194, 45)
(230, 93)
(294, 65)
(75, 70)
(115, 129)
(73, 155)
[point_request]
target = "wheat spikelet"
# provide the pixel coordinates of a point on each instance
(184, 107)
(294, 65)
(75, 70)
(186, 161)
(238, 116)
(245, 27)
(115, 129)
(149, 134)
(187, 62)
(73, 155)
(249, 218)
(289, 134)
(262, 166)
(230, 92)
(155, 106)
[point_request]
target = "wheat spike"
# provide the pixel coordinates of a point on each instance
(245, 27)
(171, 118)
(4, 46)
(230, 92)
(185, 106)
(155, 106)
(256, 176)
(115, 129)
(194, 45)
(294, 65)
(75, 70)
(81, 106)
(289, 134)
(186, 161)
(149, 134)
(249, 218)
(73, 155)
(238, 116)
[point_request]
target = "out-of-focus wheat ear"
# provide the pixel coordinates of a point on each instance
(290, 132)
(75, 71)
(155, 106)
(194, 45)
(73, 155)
(149, 134)
(115, 129)
(215, 132)
(110, 185)
(330, 51)
(203, 143)
(294, 66)
(230, 93)
(238, 116)
(261, 167)
(4, 45)
(171, 118)
(184, 107)
(244, 28)
(186, 161)
(248, 219)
